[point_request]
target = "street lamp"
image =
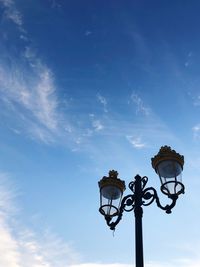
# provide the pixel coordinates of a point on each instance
(168, 165)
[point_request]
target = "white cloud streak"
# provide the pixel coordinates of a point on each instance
(27, 86)
(196, 131)
(11, 13)
(197, 101)
(136, 142)
(55, 4)
(97, 125)
(21, 247)
(140, 107)
(103, 102)
(36, 97)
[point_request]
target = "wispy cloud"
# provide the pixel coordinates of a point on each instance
(139, 104)
(97, 125)
(103, 102)
(87, 33)
(196, 131)
(46, 250)
(12, 13)
(20, 246)
(27, 86)
(55, 4)
(35, 95)
(136, 142)
(188, 61)
(28, 90)
(197, 101)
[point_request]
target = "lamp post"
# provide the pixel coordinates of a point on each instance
(168, 165)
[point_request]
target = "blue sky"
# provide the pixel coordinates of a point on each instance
(85, 87)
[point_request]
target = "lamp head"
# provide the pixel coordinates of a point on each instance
(168, 164)
(111, 191)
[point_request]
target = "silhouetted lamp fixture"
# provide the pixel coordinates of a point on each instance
(111, 191)
(168, 165)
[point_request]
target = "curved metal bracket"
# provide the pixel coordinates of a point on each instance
(127, 204)
(150, 194)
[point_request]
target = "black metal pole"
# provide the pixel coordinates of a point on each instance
(138, 223)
